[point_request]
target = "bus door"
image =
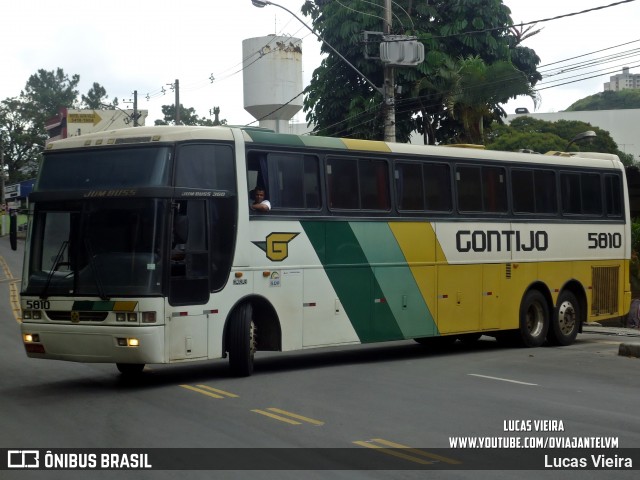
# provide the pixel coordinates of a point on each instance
(187, 328)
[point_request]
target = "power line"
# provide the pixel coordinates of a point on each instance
(522, 24)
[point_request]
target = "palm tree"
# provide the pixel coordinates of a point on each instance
(477, 89)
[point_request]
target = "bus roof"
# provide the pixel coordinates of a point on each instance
(157, 134)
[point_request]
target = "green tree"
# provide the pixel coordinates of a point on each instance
(608, 101)
(97, 98)
(188, 116)
(21, 141)
(23, 118)
(340, 103)
(47, 91)
(541, 136)
(477, 87)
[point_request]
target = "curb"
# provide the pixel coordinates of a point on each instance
(629, 350)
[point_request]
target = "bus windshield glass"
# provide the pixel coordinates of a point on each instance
(96, 248)
(110, 168)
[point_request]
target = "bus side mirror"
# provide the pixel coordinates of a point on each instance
(13, 230)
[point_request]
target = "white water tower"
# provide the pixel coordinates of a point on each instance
(272, 79)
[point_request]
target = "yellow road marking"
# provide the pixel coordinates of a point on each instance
(5, 267)
(14, 296)
(394, 453)
(219, 392)
(203, 392)
(296, 416)
(417, 451)
(277, 417)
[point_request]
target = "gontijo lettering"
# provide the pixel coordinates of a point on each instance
(501, 241)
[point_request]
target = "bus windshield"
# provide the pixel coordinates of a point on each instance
(96, 248)
(112, 168)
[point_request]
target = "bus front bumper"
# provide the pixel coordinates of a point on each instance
(94, 344)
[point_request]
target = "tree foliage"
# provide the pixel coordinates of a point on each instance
(188, 116)
(340, 103)
(23, 118)
(97, 98)
(541, 136)
(608, 100)
(47, 91)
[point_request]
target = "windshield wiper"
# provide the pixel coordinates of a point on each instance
(94, 269)
(56, 263)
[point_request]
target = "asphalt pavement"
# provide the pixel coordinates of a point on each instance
(628, 348)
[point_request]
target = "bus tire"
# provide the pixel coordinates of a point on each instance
(566, 320)
(130, 369)
(242, 341)
(534, 319)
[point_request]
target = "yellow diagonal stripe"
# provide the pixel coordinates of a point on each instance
(203, 392)
(416, 451)
(219, 392)
(277, 417)
(296, 416)
(394, 453)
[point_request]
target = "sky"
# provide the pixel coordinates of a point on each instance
(145, 45)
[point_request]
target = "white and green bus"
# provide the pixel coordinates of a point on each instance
(142, 247)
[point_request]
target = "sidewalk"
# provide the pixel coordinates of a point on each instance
(630, 348)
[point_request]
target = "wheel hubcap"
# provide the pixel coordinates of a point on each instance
(535, 319)
(566, 318)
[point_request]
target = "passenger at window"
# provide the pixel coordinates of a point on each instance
(260, 203)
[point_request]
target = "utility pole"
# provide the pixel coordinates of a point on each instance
(135, 108)
(2, 174)
(389, 84)
(177, 90)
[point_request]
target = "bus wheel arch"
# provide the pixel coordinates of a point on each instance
(568, 315)
(534, 316)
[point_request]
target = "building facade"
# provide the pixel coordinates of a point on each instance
(622, 81)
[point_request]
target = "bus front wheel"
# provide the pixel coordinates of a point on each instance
(566, 320)
(242, 341)
(534, 319)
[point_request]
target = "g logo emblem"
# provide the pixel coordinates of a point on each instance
(75, 316)
(277, 245)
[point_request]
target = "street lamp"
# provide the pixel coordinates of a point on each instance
(581, 136)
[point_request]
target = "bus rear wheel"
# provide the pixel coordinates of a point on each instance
(130, 368)
(534, 319)
(242, 341)
(566, 320)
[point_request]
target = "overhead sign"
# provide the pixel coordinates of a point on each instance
(93, 118)
(12, 191)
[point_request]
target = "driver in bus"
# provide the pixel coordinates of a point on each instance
(260, 203)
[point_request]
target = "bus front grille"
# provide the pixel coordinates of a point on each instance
(66, 316)
(604, 281)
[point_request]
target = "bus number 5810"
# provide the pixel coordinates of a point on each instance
(605, 240)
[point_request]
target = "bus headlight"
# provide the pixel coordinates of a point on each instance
(148, 317)
(31, 338)
(128, 342)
